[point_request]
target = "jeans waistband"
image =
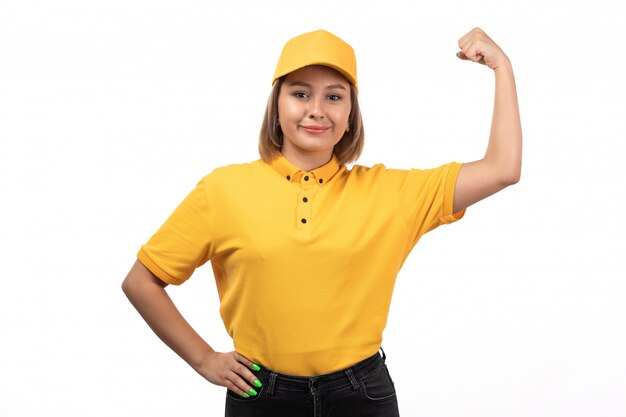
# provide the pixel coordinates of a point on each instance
(323, 382)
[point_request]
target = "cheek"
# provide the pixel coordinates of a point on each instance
(287, 110)
(341, 116)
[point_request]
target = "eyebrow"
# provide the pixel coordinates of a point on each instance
(307, 85)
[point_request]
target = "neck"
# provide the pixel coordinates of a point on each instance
(308, 161)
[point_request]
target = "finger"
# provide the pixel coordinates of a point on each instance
(247, 375)
(246, 361)
(465, 41)
(471, 51)
(469, 36)
(237, 387)
(240, 384)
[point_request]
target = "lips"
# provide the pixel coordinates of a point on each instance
(315, 129)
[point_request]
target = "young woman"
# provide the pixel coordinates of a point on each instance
(305, 252)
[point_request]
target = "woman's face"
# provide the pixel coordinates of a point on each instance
(313, 110)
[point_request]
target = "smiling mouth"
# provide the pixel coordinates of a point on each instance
(315, 129)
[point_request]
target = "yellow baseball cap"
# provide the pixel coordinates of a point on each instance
(317, 48)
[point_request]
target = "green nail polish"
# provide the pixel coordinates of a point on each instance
(252, 391)
(246, 395)
(256, 367)
(258, 383)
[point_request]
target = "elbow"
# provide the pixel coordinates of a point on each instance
(514, 179)
(506, 181)
(506, 173)
(126, 286)
(129, 285)
(511, 177)
(139, 280)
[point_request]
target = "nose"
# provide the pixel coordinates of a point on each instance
(316, 107)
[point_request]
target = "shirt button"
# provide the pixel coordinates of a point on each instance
(288, 177)
(305, 199)
(321, 180)
(306, 177)
(303, 220)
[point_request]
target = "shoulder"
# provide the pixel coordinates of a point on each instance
(231, 172)
(379, 168)
(363, 170)
(404, 176)
(378, 171)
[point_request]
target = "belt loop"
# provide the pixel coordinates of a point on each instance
(384, 356)
(355, 384)
(270, 388)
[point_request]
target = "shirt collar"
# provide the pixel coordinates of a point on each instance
(292, 173)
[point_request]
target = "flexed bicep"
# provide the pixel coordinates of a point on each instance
(477, 180)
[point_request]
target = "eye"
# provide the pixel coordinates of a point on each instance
(334, 97)
(300, 94)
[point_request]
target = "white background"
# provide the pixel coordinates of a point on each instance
(110, 112)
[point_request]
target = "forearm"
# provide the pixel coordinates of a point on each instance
(504, 151)
(153, 303)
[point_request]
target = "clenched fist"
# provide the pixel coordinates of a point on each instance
(478, 47)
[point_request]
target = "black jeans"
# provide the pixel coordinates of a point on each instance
(362, 390)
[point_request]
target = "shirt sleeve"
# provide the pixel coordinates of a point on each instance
(183, 242)
(426, 197)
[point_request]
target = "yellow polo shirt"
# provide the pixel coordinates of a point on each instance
(305, 262)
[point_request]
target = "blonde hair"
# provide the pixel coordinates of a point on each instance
(347, 150)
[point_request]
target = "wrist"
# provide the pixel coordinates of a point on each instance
(504, 66)
(202, 359)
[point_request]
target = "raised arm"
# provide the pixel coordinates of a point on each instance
(501, 166)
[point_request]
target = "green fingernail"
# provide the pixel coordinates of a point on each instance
(246, 395)
(258, 383)
(256, 367)
(252, 391)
